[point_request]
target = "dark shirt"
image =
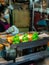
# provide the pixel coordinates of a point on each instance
(4, 26)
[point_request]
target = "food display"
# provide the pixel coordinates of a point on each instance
(22, 44)
(7, 40)
(10, 39)
(26, 37)
(16, 39)
(35, 36)
(19, 38)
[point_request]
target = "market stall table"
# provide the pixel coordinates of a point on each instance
(31, 56)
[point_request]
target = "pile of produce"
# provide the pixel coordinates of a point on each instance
(35, 36)
(17, 39)
(26, 37)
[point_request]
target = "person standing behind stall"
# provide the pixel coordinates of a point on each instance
(4, 25)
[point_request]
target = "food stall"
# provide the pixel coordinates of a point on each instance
(23, 47)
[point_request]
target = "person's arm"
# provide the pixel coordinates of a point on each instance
(12, 30)
(6, 32)
(15, 30)
(9, 30)
(2, 33)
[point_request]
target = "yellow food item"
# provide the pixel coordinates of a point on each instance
(20, 38)
(30, 36)
(1, 46)
(10, 39)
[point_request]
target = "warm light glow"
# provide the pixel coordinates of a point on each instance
(2, 2)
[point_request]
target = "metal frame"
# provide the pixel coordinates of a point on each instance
(32, 28)
(11, 14)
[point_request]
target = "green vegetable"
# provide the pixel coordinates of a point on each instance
(16, 39)
(25, 38)
(35, 36)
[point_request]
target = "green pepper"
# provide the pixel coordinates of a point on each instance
(16, 39)
(35, 36)
(25, 38)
